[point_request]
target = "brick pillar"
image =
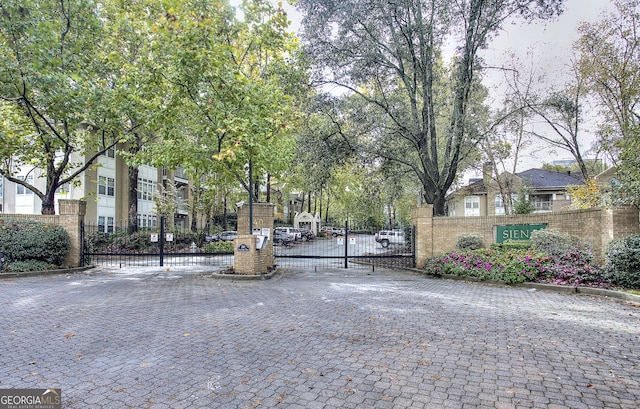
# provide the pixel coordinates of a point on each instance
(422, 221)
(254, 261)
(72, 214)
(616, 223)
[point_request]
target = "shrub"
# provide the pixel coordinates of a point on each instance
(519, 265)
(23, 240)
(622, 262)
(30, 265)
(469, 241)
(509, 266)
(219, 247)
(562, 245)
(512, 245)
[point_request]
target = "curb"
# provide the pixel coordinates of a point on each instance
(46, 272)
(242, 277)
(621, 295)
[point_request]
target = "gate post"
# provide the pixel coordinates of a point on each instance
(161, 242)
(248, 259)
(71, 218)
(422, 220)
(346, 244)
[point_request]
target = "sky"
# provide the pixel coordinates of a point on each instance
(551, 43)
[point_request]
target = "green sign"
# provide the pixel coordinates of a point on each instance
(516, 232)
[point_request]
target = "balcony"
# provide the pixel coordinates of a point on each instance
(543, 206)
(180, 177)
(182, 207)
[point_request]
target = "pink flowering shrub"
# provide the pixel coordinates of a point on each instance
(519, 265)
(509, 266)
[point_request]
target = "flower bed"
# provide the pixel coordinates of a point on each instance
(519, 265)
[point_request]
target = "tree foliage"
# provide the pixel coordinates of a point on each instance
(50, 54)
(610, 61)
(389, 55)
(227, 82)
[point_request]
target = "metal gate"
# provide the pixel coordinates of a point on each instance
(151, 246)
(347, 247)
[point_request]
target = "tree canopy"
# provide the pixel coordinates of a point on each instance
(52, 97)
(390, 55)
(610, 62)
(183, 83)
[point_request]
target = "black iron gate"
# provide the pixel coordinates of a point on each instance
(346, 247)
(117, 245)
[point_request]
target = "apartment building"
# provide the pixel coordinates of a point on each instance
(105, 187)
(481, 197)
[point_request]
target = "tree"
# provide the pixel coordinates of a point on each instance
(509, 134)
(610, 61)
(562, 112)
(389, 54)
(49, 56)
(227, 81)
(138, 95)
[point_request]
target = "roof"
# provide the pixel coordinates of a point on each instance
(538, 179)
(545, 179)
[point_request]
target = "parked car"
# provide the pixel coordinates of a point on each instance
(212, 238)
(386, 237)
(307, 234)
(333, 231)
(227, 235)
(295, 233)
(281, 238)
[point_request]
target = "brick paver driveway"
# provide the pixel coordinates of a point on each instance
(331, 339)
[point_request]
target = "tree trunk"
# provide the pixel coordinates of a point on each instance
(132, 226)
(268, 199)
(224, 213)
(48, 206)
(194, 220)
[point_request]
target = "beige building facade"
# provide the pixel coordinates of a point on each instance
(482, 197)
(105, 188)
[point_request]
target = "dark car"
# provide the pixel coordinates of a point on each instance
(306, 234)
(282, 238)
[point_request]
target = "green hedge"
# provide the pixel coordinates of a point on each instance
(622, 261)
(29, 240)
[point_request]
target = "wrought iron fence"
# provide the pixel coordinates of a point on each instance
(347, 247)
(121, 245)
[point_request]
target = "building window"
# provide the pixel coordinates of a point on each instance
(146, 189)
(1, 186)
(21, 190)
(500, 207)
(472, 206)
(106, 224)
(110, 153)
(63, 189)
(106, 186)
(147, 220)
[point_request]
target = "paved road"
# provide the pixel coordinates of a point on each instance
(147, 338)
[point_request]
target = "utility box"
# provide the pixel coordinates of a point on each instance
(261, 241)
